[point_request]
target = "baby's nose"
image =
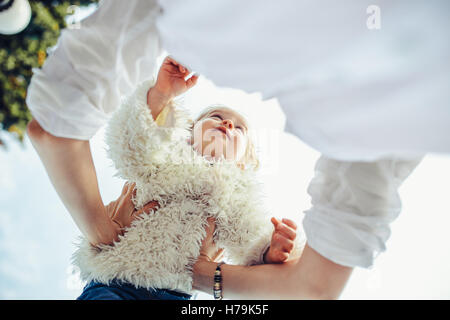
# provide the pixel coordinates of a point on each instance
(228, 123)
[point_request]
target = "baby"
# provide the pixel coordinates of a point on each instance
(193, 171)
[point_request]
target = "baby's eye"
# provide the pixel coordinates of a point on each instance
(241, 129)
(217, 116)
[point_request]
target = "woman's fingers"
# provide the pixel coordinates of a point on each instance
(124, 209)
(211, 222)
(128, 189)
(152, 205)
(219, 255)
(208, 247)
(210, 228)
(125, 187)
(111, 208)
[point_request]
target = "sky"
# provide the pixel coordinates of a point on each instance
(37, 234)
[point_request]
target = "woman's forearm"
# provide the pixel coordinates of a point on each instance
(309, 277)
(71, 170)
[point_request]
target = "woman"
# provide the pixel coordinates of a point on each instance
(78, 84)
(122, 212)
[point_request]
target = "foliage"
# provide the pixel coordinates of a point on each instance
(21, 52)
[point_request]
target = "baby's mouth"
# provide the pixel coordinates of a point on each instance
(224, 130)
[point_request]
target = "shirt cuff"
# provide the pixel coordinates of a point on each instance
(353, 204)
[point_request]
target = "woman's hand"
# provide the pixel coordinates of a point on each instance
(209, 250)
(122, 211)
(282, 242)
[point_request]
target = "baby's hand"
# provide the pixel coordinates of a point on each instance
(170, 83)
(282, 241)
(171, 79)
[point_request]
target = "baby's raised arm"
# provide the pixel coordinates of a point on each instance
(134, 135)
(171, 82)
(131, 135)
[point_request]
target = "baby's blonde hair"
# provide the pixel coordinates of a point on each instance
(250, 157)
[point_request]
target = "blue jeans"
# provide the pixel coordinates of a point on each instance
(118, 290)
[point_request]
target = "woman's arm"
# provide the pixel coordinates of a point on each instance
(71, 170)
(310, 277)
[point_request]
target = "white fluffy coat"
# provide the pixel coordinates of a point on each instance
(160, 248)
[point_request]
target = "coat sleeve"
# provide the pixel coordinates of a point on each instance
(136, 143)
(247, 240)
(245, 230)
(82, 80)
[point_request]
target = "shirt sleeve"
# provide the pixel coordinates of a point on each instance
(353, 204)
(81, 82)
(351, 92)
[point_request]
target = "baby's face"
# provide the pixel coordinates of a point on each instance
(221, 132)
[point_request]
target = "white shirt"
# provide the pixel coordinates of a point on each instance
(83, 80)
(353, 93)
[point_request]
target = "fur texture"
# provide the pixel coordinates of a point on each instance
(160, 248)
